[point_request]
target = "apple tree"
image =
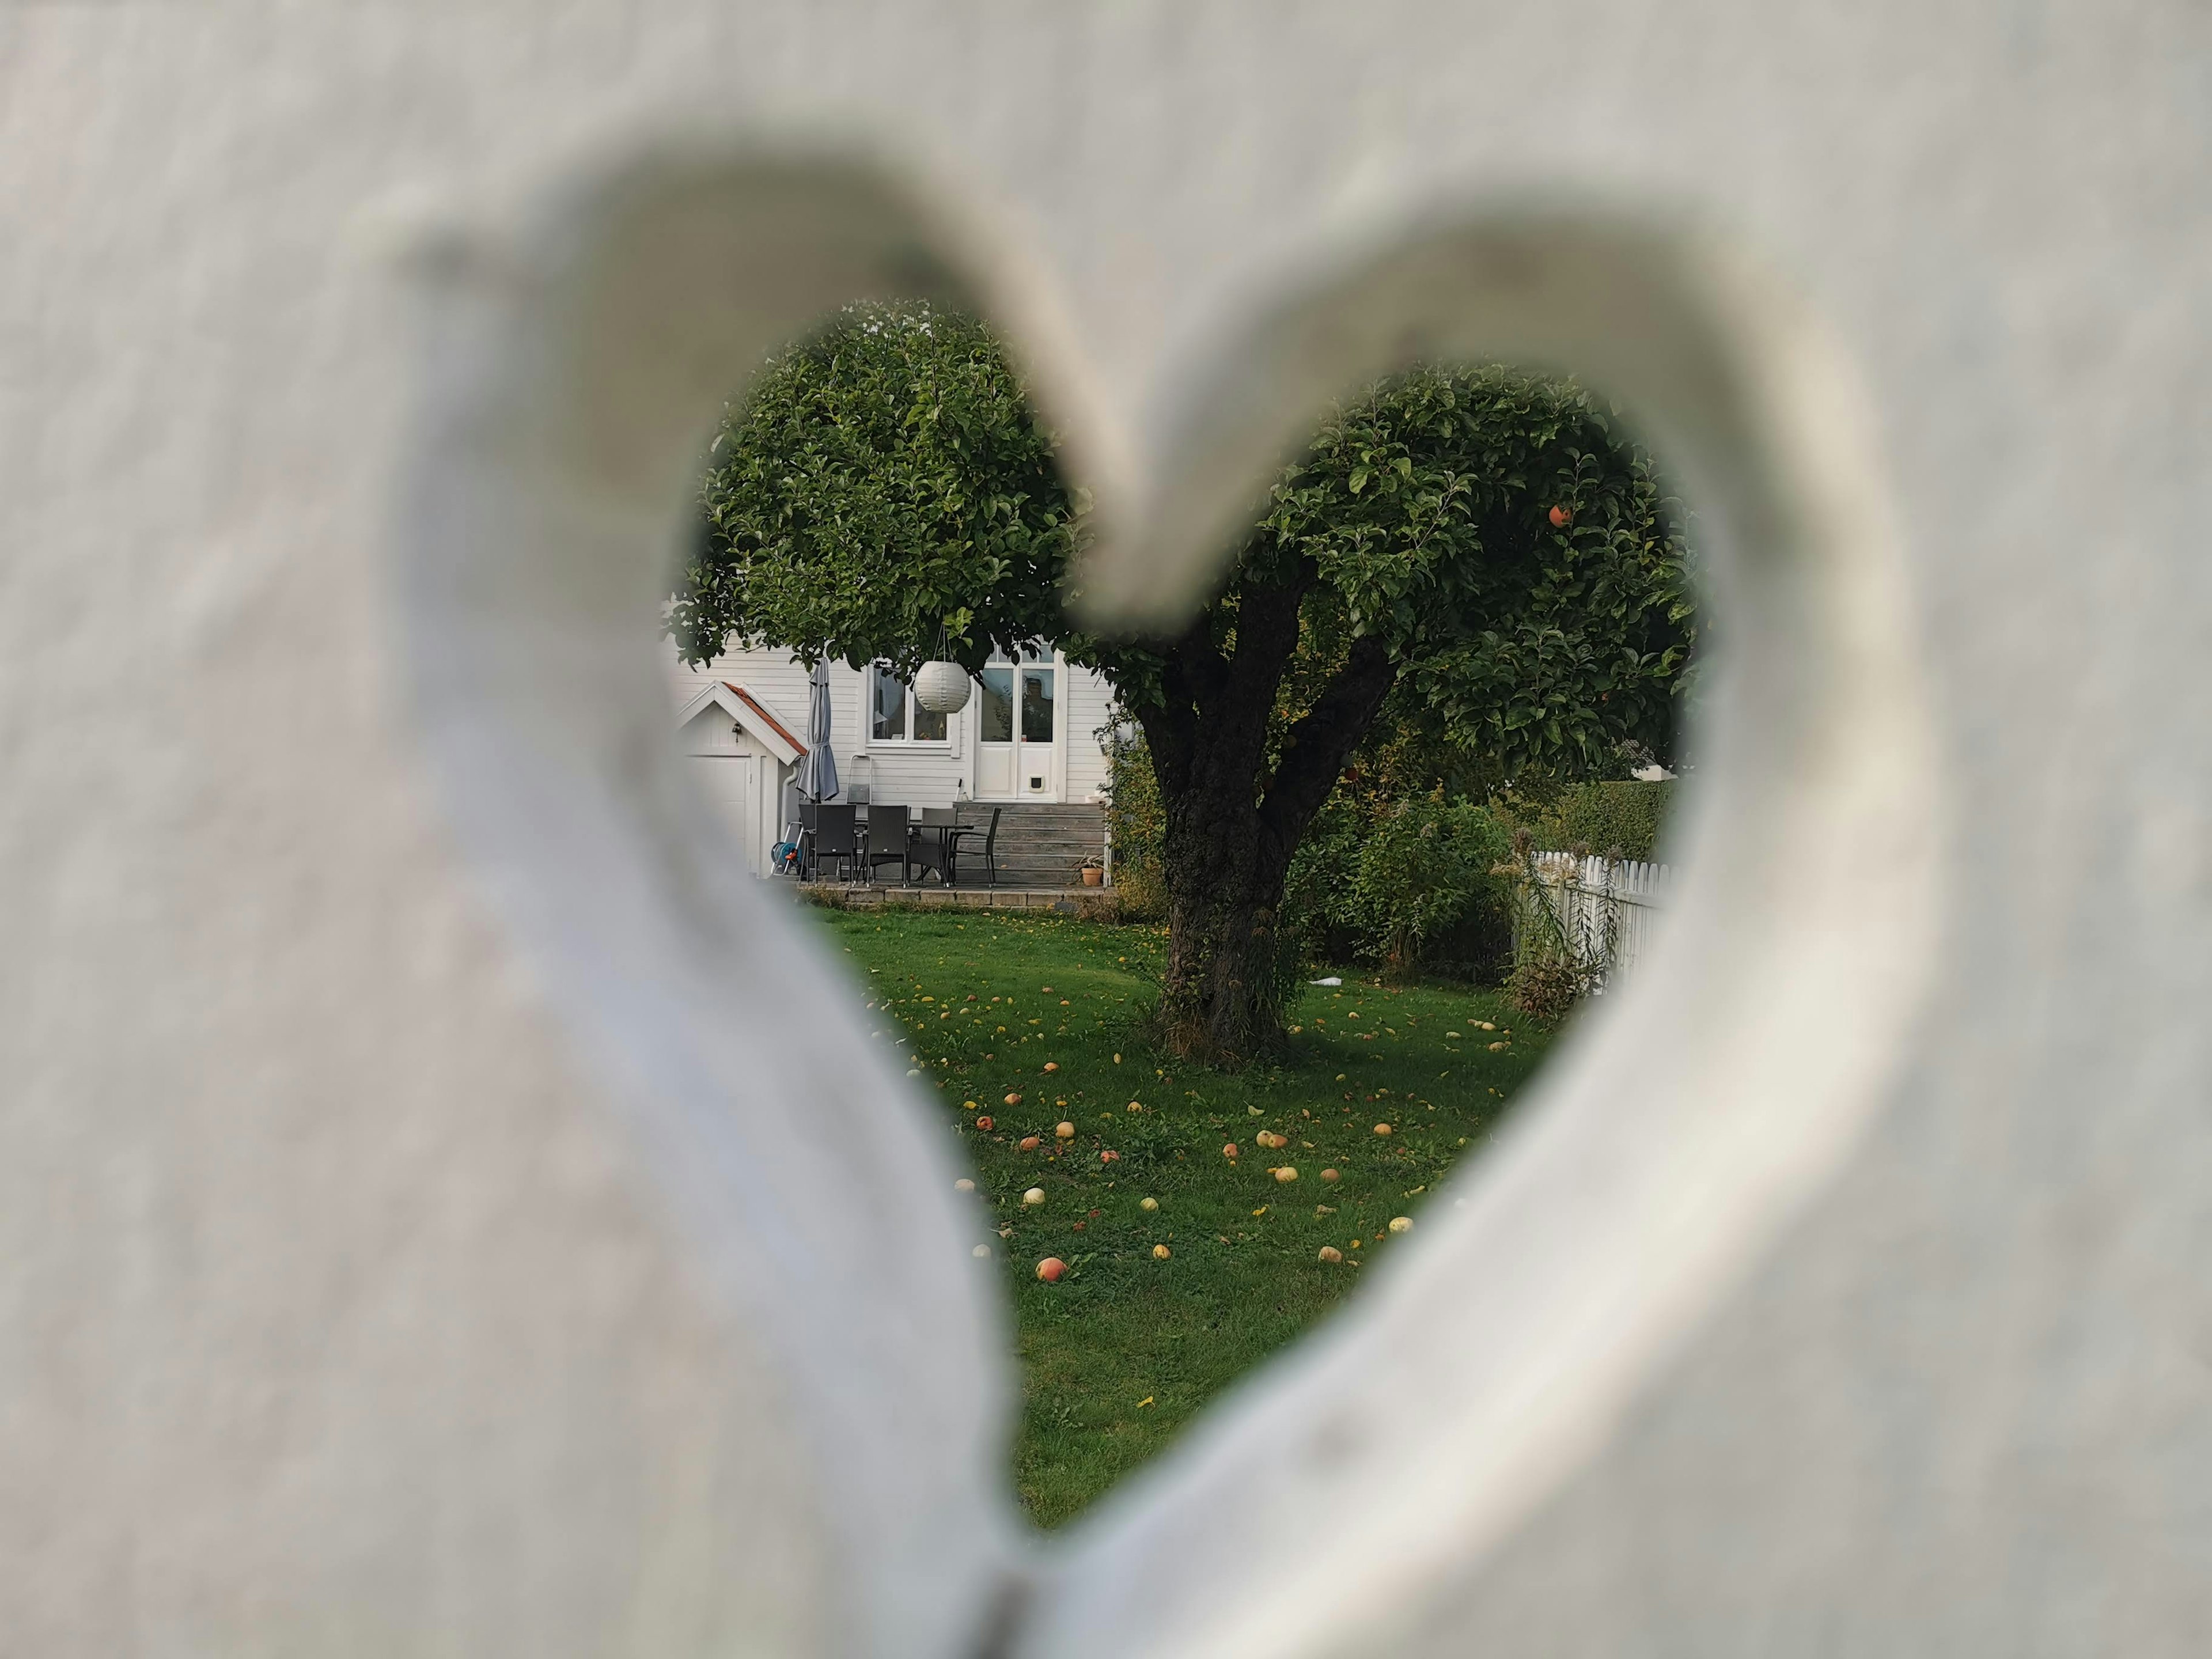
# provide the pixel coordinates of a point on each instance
(1489, 544)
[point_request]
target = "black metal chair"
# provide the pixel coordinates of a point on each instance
(834, 834)
(986, 838)
(932, 841)
(887, 840)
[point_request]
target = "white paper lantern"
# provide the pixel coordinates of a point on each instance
(941, 687)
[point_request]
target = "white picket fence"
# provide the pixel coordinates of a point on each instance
(1607, 910)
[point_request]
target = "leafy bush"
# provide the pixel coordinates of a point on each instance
(1136, 825)
(1422, 864)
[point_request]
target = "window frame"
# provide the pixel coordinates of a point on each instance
(906, 740)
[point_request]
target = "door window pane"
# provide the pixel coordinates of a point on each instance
(996, 705)
(887, 705)
(1036, 705)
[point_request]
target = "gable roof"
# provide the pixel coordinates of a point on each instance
(750, 713)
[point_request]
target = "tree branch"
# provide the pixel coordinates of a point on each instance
(1267, 639)
(1321, 741)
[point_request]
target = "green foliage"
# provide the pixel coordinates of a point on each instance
(888, 479)
(1608, 817)
(1425, 506)
(1136, 825)
(880, 483)
(1422, 864)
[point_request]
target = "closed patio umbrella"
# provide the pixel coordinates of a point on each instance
(818, 772)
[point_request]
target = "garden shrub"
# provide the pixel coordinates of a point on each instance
(1422, 864)
(1136, 825)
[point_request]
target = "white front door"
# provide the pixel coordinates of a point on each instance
(1018, 730)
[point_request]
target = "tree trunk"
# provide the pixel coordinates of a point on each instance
(1221, 1001)
(1229, 844)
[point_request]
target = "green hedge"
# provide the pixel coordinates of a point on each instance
(1625, 818)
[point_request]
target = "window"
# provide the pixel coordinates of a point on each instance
(1025, 689)
(1036, 705)
(997, 712)
(893, 714)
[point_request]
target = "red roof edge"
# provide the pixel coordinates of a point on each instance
(755, 704)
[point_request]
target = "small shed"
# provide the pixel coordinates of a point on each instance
(741, 757)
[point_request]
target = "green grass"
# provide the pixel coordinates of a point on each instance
(1120, 1354)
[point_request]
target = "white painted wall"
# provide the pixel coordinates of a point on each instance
(916, 775)
(446, 1210)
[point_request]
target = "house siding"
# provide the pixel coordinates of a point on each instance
(915, 774)
(1089, 705)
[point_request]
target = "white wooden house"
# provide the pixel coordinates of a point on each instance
(1027, 735)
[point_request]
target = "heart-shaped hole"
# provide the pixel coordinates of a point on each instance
(886, 494)
(570, 377)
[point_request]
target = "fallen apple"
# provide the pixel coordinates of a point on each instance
(1330, 1252)
(1498, 1048)
(1032, 1197)
(1109, 1156)
(984, 1124)
(1288, 1172)
(1148, 1204)
(1013, 1100)
(981, 1253)
(964, 1185)
(1229, 1151)
(1064, 1130)
(1052, 1066)
(1328, 1174)
(1160, 1252)
(1050, 1269)
(1031, 1143)
(1382, 1128)
(1401, 1223)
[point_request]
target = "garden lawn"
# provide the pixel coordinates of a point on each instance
(1118, 1356)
